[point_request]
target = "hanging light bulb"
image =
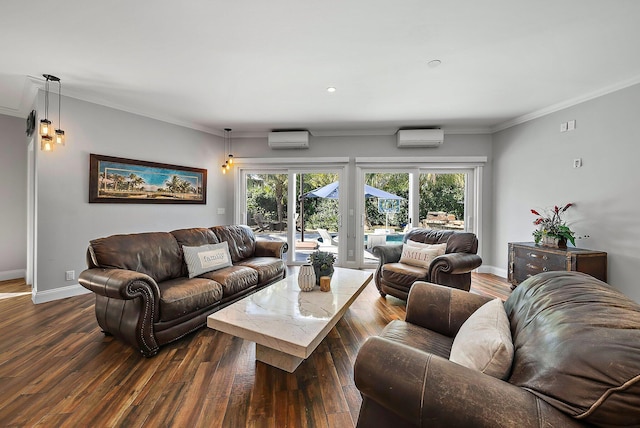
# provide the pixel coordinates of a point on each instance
(59, 140)
(45, 124)
(46, 143)
(228, 135)
(224, 168)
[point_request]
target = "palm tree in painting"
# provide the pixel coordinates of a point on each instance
(173, 185)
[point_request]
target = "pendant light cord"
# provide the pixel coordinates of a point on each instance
(59, 104)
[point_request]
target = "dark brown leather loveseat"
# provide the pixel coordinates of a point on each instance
(576, 360)
(452, 269)
(144, 295)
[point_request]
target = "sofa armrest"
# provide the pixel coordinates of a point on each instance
(454, 263)
(440, 308)
(427, 390)
(127, 305)
(386, 254)
(270, 248)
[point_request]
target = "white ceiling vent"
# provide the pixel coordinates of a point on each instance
(289, 140)
(420, 137)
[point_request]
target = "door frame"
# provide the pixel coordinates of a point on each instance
(474, 165)
(291, 166)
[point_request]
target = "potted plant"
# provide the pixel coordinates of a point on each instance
(552, 229)
(322, 262)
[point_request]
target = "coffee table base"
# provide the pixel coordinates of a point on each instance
(275, 358)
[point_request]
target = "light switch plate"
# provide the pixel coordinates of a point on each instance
(571, 125)
(563, 127)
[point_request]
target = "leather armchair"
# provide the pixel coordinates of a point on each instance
(452, 269)
(576, 361)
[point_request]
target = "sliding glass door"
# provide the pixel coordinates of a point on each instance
(299, 206)
(396, 200)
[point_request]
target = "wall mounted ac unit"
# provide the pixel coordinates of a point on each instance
(420, 137)
(289, 140)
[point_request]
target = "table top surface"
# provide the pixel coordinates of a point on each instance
(282, 317)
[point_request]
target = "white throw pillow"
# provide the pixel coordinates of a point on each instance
(442, 248)
(417, 256)
(484, 341)
(206, 258)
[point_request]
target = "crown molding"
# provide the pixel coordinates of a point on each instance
(566, 104)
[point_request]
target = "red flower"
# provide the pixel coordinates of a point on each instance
(535, 212)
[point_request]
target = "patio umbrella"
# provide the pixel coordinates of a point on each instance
(330, 191)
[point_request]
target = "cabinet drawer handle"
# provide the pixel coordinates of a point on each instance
(544, 269)
(530, 266)
(536, 256)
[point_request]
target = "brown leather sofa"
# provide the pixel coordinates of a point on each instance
(144, 295)
(452, 269)
(576, 360)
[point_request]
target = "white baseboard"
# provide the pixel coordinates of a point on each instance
(58, 293)
(493, 270)
(12, 274)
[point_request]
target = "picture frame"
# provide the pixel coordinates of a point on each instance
(121, 180)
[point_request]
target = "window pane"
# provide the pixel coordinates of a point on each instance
(442, 201)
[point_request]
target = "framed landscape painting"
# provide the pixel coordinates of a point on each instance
(119, 180)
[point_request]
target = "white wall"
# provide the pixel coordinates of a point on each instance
(13, 194)
(66, 221)
(533, 168)
(383, 147)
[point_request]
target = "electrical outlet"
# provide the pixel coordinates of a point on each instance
(577, 163)
(70, 275)
(571, 125)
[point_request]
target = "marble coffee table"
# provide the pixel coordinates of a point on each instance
(288, 324)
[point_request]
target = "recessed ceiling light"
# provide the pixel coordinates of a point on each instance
(434, 63)
(331, 89)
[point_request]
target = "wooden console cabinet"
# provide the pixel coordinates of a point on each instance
(527, 259)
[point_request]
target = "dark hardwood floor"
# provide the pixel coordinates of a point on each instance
(58, 369)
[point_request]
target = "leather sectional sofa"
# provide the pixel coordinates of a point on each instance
(575, 360)
(144, 295)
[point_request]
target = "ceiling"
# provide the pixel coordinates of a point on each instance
(256, 66)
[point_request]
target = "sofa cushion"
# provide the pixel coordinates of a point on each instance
(195, 236)
(428, 236)
(156, 254)
(419, 256)
(182, 296)
(234, 279)
(484, 341)
(417, 337)
(241, 240)
(577, 347)
(402, 275)
(268, 268)
(206, 258)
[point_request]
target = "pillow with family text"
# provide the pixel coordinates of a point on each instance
(206, 258)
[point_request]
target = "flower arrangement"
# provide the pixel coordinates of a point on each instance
(551, 225)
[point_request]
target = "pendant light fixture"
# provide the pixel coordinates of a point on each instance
(47, 140)
(59, 138)
(227, 151)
